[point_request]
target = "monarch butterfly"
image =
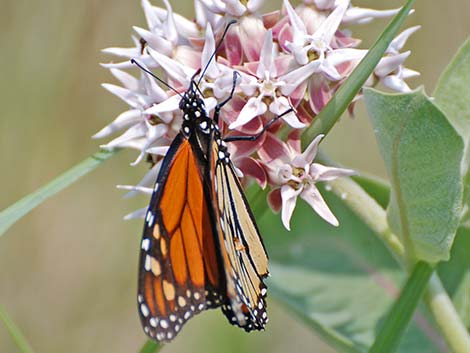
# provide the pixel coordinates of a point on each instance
(201, 248)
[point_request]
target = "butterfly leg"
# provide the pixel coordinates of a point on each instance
(255, 137)
(219, 106)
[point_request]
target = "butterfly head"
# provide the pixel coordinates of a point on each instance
(194, 111)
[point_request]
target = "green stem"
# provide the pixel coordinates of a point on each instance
(446, 317)
(15, 332)
(400, 314)
(370, 212)
(151, 347)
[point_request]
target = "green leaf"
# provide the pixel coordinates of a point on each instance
(423, 154)
(339, 281)
(452, 92)
(455, 275)
(394, 327)
(15, 332)
(326, 119)
(13, 213)
(453, 95)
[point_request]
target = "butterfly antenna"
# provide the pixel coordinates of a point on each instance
(216, 49)
(135, 62)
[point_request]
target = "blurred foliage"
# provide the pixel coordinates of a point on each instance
(68, 270)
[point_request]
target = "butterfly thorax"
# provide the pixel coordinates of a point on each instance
(199, 126)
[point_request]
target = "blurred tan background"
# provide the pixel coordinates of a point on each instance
(68, 269)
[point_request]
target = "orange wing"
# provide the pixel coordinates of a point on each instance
(179, 265)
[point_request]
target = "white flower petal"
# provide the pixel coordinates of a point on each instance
(399, 42)
(298, 26)
(266, 58)
(207, 51)
(324, 4)
(289, 199)
(281, 105)
(339, 56)
(146, 59)
(316, 201)
(147, 181)
(395, 83)
(234, 8)
(254, 5)
(169, 26)
(330, 71)
(186, 28)
(169, 105)
(158, 150)
(140, 213)
(124, 52)
(389, 64)
(295, 77)
(127, 80)
(357, 15)
(153, 40)
(153, 134)
(132, 133)
(123, 120)
(320, 172)
(408, 73)
(132, 98)
(250, 110)
(139, 189)
(328, 28)
(311, 151)
(178, 71)
(153, 21)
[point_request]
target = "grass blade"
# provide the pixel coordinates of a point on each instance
(13, 213)
(15, 332)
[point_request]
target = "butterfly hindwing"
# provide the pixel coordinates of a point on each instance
(242, 250)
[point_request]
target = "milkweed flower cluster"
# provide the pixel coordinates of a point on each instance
(294, 58)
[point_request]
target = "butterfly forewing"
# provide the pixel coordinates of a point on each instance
(179, 272)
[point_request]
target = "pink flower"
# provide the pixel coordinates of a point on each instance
(292, 60)
(294, 174)
(268, 89)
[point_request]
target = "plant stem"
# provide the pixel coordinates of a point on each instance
(400, 314)
(150, 347)
(369, 211)
(446, 317)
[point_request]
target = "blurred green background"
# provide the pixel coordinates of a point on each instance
(68, 269)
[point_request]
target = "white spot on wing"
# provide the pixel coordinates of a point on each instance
(153, 322)
(144, 310)
(147, 264)
(146, 244)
